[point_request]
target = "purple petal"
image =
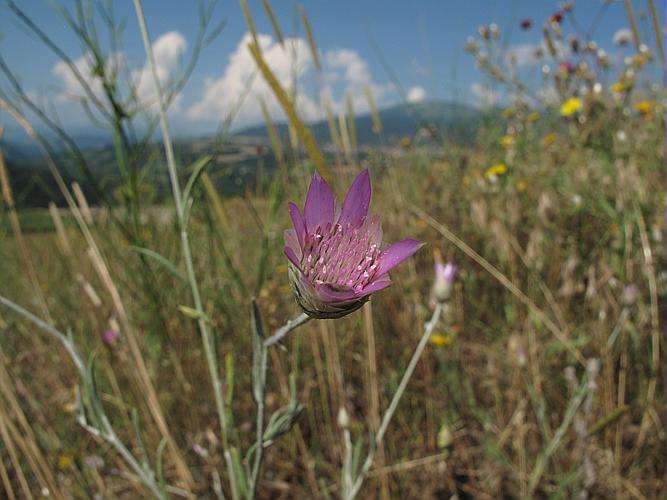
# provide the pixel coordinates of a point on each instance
(336, 296)
(298, 222)
(291, 241)
(373, 227)
(397, 253)
(292, 257)
(357, 201)
(319, 208)
(376, 285)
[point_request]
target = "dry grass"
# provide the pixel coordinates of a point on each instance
(548, 384)
(499, 391)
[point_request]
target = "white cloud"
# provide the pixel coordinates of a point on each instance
(343, 70)
(83, 70)
(416, 94)
(354, 67)
(167, 48)
(240, 80)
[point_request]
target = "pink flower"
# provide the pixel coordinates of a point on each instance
(445, 276)
(336, 256)
(110, 337)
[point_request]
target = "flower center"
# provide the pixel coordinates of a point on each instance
(340, 256)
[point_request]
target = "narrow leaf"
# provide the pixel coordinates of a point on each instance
(159, 461)
(197, 169)
(160, 259)
(274, 22)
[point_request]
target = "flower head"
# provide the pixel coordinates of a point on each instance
(618, 87)
(644, 108)
(336, 256)
(622, 37)
(445, 276)
(507, 141)
(495, 171)
(526, 23)
(440, 340)
(630, 294)
(110, 337)
(571, 106)
(549, 139)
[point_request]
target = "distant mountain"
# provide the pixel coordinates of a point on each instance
(237, 159)
(457, 122)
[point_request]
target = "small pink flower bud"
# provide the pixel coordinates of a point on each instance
(110, 337)
(445, 276)
(630, 295)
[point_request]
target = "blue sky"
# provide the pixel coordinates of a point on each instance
(422, 41)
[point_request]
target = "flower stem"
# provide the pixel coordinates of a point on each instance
(263, 359)
(386, 419)
(206, 334)
(259, 444)
(286, 328)
(105, 431)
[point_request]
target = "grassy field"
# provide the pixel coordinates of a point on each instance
(543, 378)
(565, 234)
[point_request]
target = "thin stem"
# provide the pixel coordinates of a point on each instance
(259, 444)
(207, 337)
(259, 397)
(286, 328)
(386, 419)
(107, 433)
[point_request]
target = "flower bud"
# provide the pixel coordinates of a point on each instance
(630, 295)
(110, 337)
(343, 418)
(445, 276)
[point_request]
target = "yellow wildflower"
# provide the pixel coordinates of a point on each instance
(640, 59)
(406, 142)
(571, 106)
(644, 107)
(440, 340)
(618, 87)
(65, 461)
(507, 141)
(495, 170)
(70, 407)
(522, 186)
(533, 117)
(549, 139)
(508, 113)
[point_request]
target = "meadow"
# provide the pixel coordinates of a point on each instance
(542, 376)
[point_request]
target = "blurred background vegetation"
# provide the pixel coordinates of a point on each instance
(547, 380)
